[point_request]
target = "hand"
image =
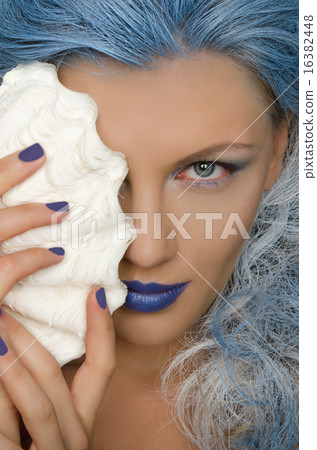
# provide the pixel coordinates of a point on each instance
(31, 381)
(55, 417)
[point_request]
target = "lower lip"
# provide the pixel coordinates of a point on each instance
(138, 301)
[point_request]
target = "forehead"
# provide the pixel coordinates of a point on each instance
(178, 101)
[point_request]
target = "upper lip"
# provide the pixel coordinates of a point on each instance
(137, 285)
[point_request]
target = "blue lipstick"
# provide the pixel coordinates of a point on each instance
(151, 297)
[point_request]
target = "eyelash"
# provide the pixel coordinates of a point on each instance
(230, 168)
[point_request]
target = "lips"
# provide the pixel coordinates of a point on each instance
(151, 297)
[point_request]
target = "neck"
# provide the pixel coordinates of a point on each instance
(135, 364)
(143, 363)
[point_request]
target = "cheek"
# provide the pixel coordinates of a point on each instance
(217, 240)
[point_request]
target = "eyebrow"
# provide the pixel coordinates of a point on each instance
(217, 148)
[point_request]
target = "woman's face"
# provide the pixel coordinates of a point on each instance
(157, 118)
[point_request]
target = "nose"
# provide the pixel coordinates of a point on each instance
(150, 248)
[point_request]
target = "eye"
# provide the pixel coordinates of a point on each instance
(206, 173)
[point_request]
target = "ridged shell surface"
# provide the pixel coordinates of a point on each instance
(80, 169)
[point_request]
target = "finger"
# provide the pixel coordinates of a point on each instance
(16, 266)
(9, 417)
(46, 372)
(18, 166)
(33, 404)
(91, 381)
(18, 219)
(7, 444)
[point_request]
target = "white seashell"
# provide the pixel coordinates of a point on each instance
(80, 169)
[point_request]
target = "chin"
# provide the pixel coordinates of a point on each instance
(147, 329)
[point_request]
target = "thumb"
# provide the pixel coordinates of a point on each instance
(91, 380)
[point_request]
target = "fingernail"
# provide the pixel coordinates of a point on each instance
(31, 153)
(101, 298)
(3, 347)
(0, 312)
(58, 206)
(57, 250)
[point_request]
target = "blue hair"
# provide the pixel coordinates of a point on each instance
(260, 34)
(244, 393)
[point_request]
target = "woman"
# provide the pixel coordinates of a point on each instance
(170, 78)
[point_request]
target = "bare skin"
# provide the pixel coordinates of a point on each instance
(157, 118)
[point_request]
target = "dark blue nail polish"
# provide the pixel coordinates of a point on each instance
(0, 312)
(31, 153)
(101, 298)
(57, 250)
(58, 206)
(3, 347)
